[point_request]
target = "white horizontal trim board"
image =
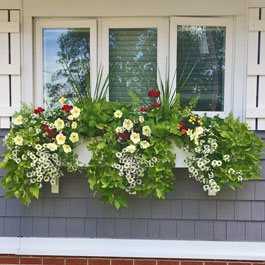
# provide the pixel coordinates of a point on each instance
(12, 27)
(133, 248)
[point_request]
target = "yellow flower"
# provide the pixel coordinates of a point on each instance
(135, 138)
(18, 140)
(74, 137)
(70, 117)
(74, 125)
(67, 148)
(18, 120)
(62, 100)
(146, 131)
(189, 132)
(60, 138)
(75, 112)
(52, 146)
(117, 114)
(127, 124)
(144, 144)
(59, 124)
(141, 119)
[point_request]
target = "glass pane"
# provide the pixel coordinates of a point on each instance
(132, 62)
(63, 47)
(201, 48)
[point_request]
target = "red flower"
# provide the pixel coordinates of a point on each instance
(45, 125)
(143, 109)
(182, 124)
(52, 135)
(39, 110)
(67, 108)
(154, 93)
(46, 130)
(183, 131)
(157, 105)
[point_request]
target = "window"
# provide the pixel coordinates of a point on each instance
(132, 51)
(64, 45)
(200, 51)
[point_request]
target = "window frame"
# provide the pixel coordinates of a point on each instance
(162, 25)
(41, 24)
(229, 66)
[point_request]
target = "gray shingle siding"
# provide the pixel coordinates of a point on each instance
(186, 214)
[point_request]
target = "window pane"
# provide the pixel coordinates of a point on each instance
(201, 47)
(132, 62)
(61, 47)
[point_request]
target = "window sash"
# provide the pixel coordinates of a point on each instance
(221, 22)
(38, 60)
(162, 37)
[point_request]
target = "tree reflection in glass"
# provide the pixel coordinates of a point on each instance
(63, 47)
(204, 47)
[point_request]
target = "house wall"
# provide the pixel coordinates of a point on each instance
(188, 213)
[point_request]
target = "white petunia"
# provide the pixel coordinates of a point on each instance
(127, 124)
(75, 112)
(62, 100)
(74, 125)
(52, 146)
(70, 117)
(67, 148)
(144, 144)
(59, 124)
(119, 130)
(60, 138)
(18, 140)
(131, 148)
(135, 137)
(141, 119)
(18, 120)
(74, 137)
(146, 131)
(118, 114)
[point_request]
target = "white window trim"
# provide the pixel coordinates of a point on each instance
(229, 66)
(41, 24)
(133, 248)
(162, 25)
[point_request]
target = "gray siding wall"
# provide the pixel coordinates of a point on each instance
(187, 214)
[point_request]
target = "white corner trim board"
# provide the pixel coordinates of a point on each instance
(132, 248)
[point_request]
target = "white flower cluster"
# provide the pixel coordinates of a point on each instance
(45, 166)
(201, 165)
(132, 167)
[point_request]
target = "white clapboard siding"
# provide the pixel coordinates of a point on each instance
(10, 88)
(255, 111)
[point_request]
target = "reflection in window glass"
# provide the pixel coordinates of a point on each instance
(132, 62)
(202, 47)
(64, 47)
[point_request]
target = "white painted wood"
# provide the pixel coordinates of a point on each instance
(253, 14)
(55, 187)
(162, 32)
(62, 23)
(27, 60)
(256, 112)
(251, 99)
(147, 8)
(85, 156)
(211, 193)
(10, 4)
(6, 27)
(16, 90)
(252, 53)
(229, 62)
(256, 3)
(256, 25)
(8, 111)
(169, 249)
(261, 102)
